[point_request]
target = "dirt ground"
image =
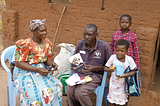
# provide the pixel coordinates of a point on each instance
(156, 87)
(147, 98)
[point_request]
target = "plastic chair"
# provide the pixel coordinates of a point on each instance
(63, 77)
(105, 95)
(100, 90)
(12, 91)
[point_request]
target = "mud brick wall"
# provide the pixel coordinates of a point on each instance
(9, 27)
(145, 22)
(147, 40)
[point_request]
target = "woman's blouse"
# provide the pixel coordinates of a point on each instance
(30, 52)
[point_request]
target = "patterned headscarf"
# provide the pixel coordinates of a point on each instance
(36, 23)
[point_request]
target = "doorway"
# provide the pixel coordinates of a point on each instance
(156, 72)
(156, 85)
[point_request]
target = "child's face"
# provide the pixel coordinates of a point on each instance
(121, 50)
(125, 23)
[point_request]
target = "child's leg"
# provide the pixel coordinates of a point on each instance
(126, 104)
(110, 104)
(128, 101)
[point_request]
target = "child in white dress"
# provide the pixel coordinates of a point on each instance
(117, 95)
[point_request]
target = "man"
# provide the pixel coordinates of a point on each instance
(95, 54)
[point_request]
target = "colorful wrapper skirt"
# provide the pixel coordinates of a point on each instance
(37, 90)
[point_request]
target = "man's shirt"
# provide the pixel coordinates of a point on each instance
(98, 56)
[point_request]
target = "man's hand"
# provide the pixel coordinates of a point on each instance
(73, 68)
(87, 68)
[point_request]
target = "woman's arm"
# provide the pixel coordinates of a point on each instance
(27, 67)
(48, 62)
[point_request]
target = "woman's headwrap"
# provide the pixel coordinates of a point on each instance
(36, 23)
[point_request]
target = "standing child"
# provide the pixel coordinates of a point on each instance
(125, 33)
(117, 95)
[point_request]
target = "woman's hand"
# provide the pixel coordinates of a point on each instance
(42, 71)
(56, 66)
(51, 63)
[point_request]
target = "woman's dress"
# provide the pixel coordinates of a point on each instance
(36, 90)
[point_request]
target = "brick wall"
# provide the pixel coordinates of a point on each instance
(145, 22)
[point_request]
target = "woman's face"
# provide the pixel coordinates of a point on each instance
(40, 32)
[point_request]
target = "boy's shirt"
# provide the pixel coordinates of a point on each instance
(133, 49)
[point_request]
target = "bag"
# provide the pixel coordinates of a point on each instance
(134, 83)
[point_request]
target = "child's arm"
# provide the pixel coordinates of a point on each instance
(131, 73)
(89, 68)
(132, 66)
(109, 69)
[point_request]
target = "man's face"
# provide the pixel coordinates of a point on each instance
(89, 35)
(125, 23)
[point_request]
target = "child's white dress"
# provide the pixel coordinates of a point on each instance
(116, 93)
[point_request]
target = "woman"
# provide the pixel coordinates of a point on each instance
(31, 76)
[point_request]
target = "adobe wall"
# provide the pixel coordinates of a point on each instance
(145, 17)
